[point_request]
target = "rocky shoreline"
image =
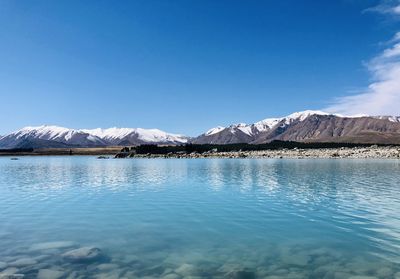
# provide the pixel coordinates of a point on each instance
(371, 152)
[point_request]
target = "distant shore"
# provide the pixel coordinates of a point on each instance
(365, 152)
(96, 151)
(372, 152)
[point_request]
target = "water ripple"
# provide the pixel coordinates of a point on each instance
(268, 215)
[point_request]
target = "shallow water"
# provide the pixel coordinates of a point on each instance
(200, 218)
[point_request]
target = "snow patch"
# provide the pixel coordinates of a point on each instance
(390, 118)
(245, 129)
(214, 130)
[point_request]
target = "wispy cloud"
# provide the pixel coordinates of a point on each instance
(387, 7)
(382, 97)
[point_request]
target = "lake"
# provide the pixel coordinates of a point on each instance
(82, 217)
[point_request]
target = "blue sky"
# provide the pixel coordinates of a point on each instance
(186, 66)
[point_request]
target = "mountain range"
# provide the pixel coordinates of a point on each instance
(58, 137)
(305, 126)
(309, 126)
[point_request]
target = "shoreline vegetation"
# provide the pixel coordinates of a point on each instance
(275, 149)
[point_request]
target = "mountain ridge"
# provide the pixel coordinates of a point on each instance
(304, 126)
(66, 137)
(308, 125)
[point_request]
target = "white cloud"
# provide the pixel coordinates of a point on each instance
(382, 97)
(387, 7)
(396, 10)
(396, 37)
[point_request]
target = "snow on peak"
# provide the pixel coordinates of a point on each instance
(45, 131)
(156, 135)
(214, 130)
(239, 125)
(110, 133)
(243, 127)
(390, 118)
(148, 135)
(301, 115)
(394, 118)
(49, 132)
(269, 123)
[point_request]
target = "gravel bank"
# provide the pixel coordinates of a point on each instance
(373, 152)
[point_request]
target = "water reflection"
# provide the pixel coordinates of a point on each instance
(267, 215)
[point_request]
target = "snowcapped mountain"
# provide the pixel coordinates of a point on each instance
(309, 125)
(54, 136)
(133, 136)
(269, 123)
(238, 133)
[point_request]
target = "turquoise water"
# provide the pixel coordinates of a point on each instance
(200, 218)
